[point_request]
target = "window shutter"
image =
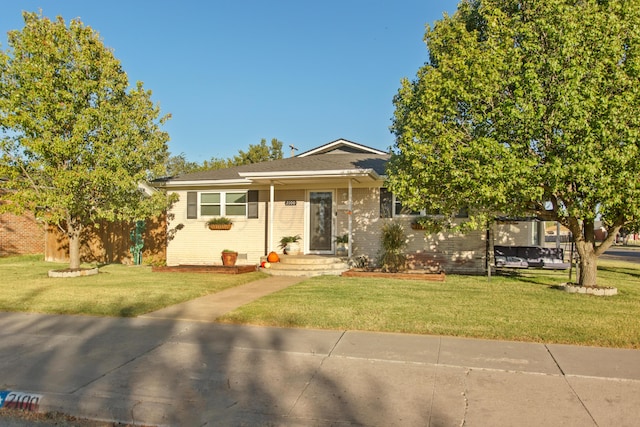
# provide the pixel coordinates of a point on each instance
(386, 203)
(252, 204)
(192, 204)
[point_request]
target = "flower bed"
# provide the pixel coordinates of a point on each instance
(409, 275)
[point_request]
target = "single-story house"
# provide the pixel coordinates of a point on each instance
(332, 190)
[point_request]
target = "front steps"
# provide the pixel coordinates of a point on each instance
(307, 265)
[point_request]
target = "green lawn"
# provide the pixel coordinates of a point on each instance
(522, 308)
(118, 290)
(525, 307)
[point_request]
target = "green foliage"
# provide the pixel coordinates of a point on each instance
(77, 140)
(526, 109)
(258, 153)
(393, 239)
(342, 239)
(179, 165)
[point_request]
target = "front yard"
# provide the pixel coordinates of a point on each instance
(524, 307)
(119, 290)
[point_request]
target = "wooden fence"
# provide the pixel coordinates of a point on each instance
(109, 242)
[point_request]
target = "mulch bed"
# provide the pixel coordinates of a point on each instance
(414, 275)
(220, 269)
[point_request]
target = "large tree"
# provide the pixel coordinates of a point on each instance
(258, 153)
(527, 107)
(76, 140)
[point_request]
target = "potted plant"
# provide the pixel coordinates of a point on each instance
(290, 245)
(342, 245)
(229, 257)
(219, 223)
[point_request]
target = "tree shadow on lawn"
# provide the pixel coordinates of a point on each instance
(536, 277)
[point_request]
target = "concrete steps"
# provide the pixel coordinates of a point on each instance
(307, 265)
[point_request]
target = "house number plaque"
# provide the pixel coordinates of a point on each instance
(290, 202)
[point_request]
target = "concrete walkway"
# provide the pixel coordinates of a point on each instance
(209, 307)
(165, 370)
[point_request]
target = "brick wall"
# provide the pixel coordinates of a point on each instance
(447, 251)
(20, 234)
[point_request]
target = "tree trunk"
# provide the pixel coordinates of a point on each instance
(589, 252)
(588, 269)
(73, 233)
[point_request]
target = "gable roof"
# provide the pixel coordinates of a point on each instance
(341, 146)
(337, 159)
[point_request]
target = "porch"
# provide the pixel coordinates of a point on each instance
(307, 265)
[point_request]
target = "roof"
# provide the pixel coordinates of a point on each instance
(338, 159)
(342, 146)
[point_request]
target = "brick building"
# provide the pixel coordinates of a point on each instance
(21, 234)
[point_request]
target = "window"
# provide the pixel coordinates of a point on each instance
(236, 204)
(210, 204)
(386, 203)
(400, 210)
(222, 203)
(390, 207)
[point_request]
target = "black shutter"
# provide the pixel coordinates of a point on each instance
(192, 204)
(252, 205)
(386, 203)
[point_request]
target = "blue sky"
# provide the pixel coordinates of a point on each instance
(233, 72)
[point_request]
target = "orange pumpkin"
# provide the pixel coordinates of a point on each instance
(273, 257)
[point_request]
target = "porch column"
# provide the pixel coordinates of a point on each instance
(350, 216)
(271, 215)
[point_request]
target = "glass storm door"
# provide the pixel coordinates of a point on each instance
(320, 221)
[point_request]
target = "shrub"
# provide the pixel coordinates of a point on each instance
(392, 258)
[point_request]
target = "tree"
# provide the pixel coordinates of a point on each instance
(76, 140)
(215, 163)
(258, 153)
(527, 108)
(178, 165)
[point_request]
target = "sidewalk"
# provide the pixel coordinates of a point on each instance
(162, 371)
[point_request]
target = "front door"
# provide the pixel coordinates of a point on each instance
(320, 221)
